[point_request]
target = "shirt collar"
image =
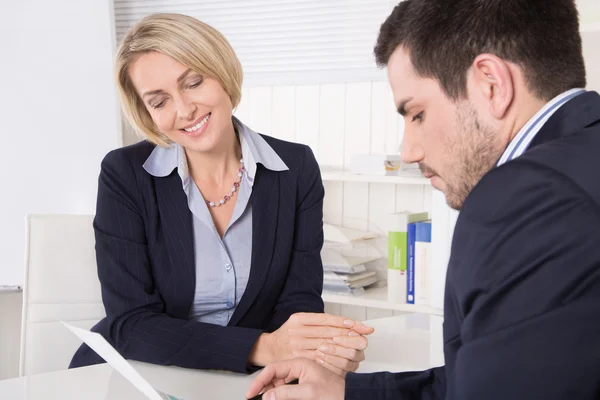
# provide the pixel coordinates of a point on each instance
(522, 140)
(255, 149)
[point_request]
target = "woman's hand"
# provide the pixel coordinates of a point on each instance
(343, 354)
(304, 333)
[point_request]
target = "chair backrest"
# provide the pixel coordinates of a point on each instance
(61, 283)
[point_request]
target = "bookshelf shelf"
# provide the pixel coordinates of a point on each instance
(377, 298)
(408, 178)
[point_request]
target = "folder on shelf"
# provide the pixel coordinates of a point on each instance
(332, 285)
(337, 260)
(339, 234)
(353, 280)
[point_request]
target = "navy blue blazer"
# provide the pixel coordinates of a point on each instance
(522, 298)
(146, 261)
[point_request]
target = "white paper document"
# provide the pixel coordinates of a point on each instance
(115, 360)
(339, 234)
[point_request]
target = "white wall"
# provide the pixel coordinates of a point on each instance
(57, 113)
(591, 47)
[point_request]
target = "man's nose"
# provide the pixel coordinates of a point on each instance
(410, 150)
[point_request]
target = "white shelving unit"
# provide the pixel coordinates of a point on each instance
(407, 178)
(377, 298)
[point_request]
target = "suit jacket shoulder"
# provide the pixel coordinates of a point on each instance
(295, 155)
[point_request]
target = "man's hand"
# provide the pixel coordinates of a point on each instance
(315, 382)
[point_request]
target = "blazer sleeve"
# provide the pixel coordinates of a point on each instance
(531, 294)
(422, 385)
(304, 284)
(137, 324)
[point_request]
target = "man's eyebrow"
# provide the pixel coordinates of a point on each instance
(402, 106)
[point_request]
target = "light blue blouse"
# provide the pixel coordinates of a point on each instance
(222, 265)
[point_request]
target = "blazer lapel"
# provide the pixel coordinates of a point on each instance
(176, 221)
(265, 213)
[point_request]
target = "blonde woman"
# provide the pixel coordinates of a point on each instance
(208, 235)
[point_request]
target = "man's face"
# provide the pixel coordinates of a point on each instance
(447, 138)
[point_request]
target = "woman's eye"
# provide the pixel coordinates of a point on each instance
(159, 105)
(195, 84)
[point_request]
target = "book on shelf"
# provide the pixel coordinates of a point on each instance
(419, 247)
(400, 253)
(422, 263)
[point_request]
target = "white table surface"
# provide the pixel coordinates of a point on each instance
(398, 344)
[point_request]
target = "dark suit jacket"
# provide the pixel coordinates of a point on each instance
(146, 261)
(522, 299)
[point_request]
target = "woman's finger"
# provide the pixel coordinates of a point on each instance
(331, 367)
(341, 351)
(362, 329)
(339, 362)
(321, 319)
(300, 344)
(320, 332)
(354, 342)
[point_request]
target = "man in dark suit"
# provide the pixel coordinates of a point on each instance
(496, 116)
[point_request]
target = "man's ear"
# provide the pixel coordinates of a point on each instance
(493, 78)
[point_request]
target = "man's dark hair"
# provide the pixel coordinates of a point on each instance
(443, 38)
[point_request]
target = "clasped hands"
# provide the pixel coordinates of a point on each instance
(337, 343)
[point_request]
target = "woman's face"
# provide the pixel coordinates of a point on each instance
(192, 110)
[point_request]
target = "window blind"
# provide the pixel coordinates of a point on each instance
(285, 41)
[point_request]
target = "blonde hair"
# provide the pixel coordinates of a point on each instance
(189, 41)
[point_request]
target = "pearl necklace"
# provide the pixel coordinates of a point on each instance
(235, 187)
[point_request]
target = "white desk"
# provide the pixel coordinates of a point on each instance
(411, 342)
(101, 382)
(396, 345)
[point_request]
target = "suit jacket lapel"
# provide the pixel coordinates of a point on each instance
(265, 212)
(176, 221)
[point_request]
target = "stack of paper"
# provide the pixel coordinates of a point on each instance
(349, 261)
(338, 234)
(347, 283)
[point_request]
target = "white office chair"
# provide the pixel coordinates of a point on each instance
(61, 283)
